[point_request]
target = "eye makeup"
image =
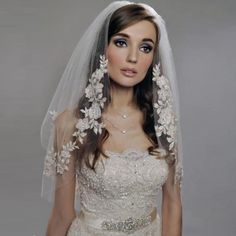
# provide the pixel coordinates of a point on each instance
(122, 43)
(118, 42)
(148, 48)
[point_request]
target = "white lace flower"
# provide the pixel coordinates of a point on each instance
(159, 130)
(163, 95)
(53, 114)
(85, 111)
(95, 111)
(50, 163)
(97, 76)
(63, 159)
(94, 93)
(102, 101)
(164, 108)
(89, 91)
(179, 174)
(96, 126)
(82, 124)
(156, 72)
(81, 136)
(165, 117)
(162, 82)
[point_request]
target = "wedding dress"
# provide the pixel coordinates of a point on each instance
(120, 198)
(125, 186)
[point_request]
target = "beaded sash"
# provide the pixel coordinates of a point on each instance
(128, 225)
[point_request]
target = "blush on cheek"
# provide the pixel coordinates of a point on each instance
(146, 66)
(111, 54)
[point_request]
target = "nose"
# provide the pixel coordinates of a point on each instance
(132, 55)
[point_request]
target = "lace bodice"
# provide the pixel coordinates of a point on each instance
(126, 183)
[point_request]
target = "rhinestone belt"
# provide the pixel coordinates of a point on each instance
(128, 225)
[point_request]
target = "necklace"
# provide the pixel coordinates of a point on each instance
(123, 115)
(123, 131)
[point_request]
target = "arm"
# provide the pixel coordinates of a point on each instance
(63, 211)
(171, 206)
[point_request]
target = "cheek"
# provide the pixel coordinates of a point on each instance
(145, 64)
(113, 56)
(114, 62)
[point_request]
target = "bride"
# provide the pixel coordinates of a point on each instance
(112, 131)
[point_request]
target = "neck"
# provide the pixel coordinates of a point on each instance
(121, 97)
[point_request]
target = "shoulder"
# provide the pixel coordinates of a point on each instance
(66, 120)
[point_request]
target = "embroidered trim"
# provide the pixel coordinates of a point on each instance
(179, 175)
(167, 120)
(60, 160)
(164, 108)
(49, 163)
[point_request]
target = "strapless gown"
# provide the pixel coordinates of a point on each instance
(121, 198)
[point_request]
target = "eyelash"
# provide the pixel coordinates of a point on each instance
(148, 47)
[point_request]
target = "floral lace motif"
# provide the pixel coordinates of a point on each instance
(179, 175)
(60, 160)
(167, 120)
(164, 108)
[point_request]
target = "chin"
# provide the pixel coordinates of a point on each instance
(125, 84)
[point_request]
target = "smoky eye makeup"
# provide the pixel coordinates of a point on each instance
(147, 48)
(119, 42)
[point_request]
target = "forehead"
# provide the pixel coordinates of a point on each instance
(140, 30)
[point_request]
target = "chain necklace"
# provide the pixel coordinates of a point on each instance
(123, 131)
(123, 115)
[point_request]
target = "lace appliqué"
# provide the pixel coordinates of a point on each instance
(167, 120)
(164, 108)
(58, 161)
(50, 163)
(179, 175)
(95, 96)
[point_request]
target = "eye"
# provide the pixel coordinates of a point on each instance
(146, 48)
(120, 42)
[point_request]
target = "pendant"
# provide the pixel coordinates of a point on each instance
(124, 116)
(123, 131)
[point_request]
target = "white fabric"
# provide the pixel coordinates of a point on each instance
(133, 194)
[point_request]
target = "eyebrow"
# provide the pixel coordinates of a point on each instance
(127, 36)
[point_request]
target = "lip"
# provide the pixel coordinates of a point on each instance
(129, 72)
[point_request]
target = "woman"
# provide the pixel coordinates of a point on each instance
(113, 140)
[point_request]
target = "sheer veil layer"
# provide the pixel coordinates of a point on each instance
(85, 77)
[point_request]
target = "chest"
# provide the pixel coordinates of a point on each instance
(132, 135)
(127, 173)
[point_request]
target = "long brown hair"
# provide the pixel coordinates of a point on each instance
(143, 92)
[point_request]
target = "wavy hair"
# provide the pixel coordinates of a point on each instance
(143, 91)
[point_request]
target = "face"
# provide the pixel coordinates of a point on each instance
(130, 53)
